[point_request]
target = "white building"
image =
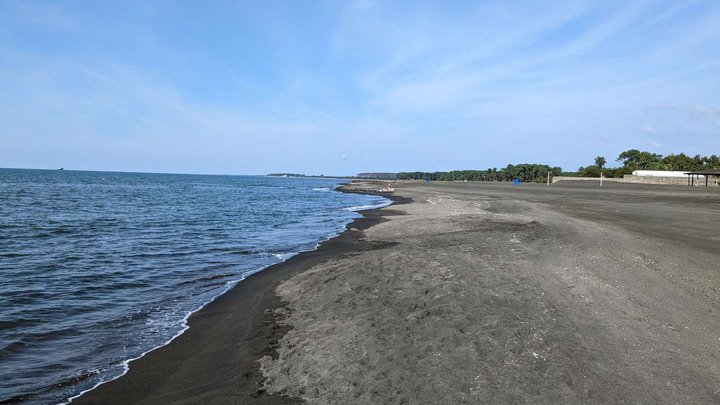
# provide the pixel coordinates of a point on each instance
(660, 173)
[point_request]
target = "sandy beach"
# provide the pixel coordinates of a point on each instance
(469, 293)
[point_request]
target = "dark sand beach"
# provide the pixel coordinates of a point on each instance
(469, 293)
(216, 360)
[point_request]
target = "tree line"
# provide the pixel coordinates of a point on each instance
(631, 160)
(523, 172)
(634, 159)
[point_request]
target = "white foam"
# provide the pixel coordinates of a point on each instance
(183, 327)
(370, 206)
(184, 324)
(322, 189)
(284, 256)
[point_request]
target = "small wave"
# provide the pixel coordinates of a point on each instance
(19, 322)
(139, 270)
(125, 364)
(370, 206)
(231, 250)
(284, 256)
(31, 339)
(13, 255)
(206, 279)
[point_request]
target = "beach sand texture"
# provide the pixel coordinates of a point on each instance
(483, 293)
(469, 293)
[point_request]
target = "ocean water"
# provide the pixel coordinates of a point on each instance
(97, 268)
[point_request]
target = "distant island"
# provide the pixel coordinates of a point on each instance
(307, 176)
(289, 175)
(376, 176)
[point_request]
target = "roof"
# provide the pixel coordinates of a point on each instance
(659, 173)
(711, 172)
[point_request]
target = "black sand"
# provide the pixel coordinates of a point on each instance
(491, 293)
(471, 293)
(215, 360)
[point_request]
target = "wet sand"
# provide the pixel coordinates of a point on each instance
(469, 293)
(216, 360)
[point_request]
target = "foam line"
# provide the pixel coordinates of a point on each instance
(228, 286)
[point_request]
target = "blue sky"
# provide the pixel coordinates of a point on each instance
(342, 87)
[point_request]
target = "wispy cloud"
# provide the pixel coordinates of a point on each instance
(451, 84)
(648, 129)
(41, 15)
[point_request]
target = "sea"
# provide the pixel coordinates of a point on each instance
(98, 268)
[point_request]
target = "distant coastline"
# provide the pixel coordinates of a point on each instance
(308, 176)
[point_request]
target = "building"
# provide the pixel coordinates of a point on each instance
(694, 177)
(660, 173)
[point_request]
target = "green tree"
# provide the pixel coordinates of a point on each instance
(590, 171)
(629, 158)
(600, 161)
(640, 159)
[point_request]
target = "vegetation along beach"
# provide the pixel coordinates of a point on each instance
(470, 293)
(359, 202)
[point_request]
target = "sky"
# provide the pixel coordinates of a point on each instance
(341, 87)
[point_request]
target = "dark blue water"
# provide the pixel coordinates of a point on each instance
(97, 268)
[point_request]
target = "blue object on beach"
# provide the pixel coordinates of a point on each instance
(427, 180)
(517, 181)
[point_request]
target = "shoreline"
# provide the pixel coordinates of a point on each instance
(480, 293)
(469, 293)
(243, 310)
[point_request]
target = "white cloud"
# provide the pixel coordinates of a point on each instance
(648, 129)
(431, 82)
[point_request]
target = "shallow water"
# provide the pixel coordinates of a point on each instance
(97, 268)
